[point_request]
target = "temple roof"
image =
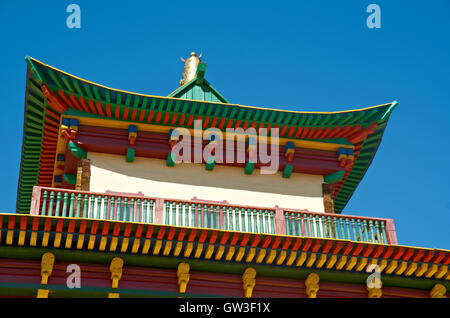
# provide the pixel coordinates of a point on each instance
(196, 99)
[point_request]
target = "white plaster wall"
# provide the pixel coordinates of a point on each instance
(184, 181)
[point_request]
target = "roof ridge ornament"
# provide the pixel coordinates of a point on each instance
(190, 68)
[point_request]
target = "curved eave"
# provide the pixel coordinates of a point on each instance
(38, 118)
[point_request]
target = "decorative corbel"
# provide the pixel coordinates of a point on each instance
(248, 281)
(173, 137)
(132, 134)
(312, 285)
(47, 261)
(116, 271)
(438, 291)
(289, 151)
(183, 276)
(73, 129)
(375, 291)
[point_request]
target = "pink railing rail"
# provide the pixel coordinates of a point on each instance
(209, 214)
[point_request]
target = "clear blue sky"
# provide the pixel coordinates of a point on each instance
(299, 55)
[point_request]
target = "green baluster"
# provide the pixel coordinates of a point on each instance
(58, 203)
(79, 199)
(145, 212)
(272, 222)
(317, 222)
(249, 220)
(347, 227)
(292, 223)
(324, 229)
(85, 206)
(151, 212)
(105, 207)
(212, 216)
(336, 230)
(372, 236)
(112, 209)
(50, 206)
(131, 216)
(261, 221)
(44, 202)
(224, 218)
(91, 210)
(205, 216)
(119, 209)
(99, 207)
(167, 213)
(230, 219)
(330, 228)
(186, 214)
(218, 217)
(312, 226)
(243, 225)
(355, 236)
(366, 230)
(341, 223)
(199, 215)
(383, 232)
(288, 227)
(180, 215)
(266, 221)
(64, 209)
(236, 219)
(174, 213)
(377, 232)
(297, 224)
(192, 215)
(255, 221)
(305, 224)
(71, 205)
(138, 210)
(359, 227)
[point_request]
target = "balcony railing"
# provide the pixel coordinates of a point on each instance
(210, 214)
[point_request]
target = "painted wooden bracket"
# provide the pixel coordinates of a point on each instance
(69, 128)
(173, 137)
(170, 162)
(346, 157)
(57, 180)
(183, 276)
(248, 281)
(287, 172)
(60, 162)
(334, 177)
(132, 134)
(249, 167)
(312, 285)
(47, 261)
(76, 150)
(70, 178)
(210, 163)
(115, 268)
(251, 148)
(289, 151)
(438, 291)
(130, 155)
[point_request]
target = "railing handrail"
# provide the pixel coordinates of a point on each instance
(210, 202)
(159, 207)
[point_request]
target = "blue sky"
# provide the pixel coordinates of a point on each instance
(299, 55)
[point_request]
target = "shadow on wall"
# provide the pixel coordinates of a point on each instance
(112, 172)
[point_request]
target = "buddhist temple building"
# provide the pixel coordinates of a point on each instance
(102, 189)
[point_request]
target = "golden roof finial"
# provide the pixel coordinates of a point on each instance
(190, 67)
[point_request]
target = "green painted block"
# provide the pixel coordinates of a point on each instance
(70, 178)
(210, 163)
(287, 172)
(249, 166)
(170, 160)
(334, 177)
(130, 155)
(76, 150)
